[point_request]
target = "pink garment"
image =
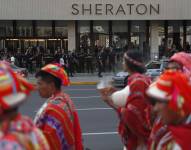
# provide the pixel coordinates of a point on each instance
(185, 60)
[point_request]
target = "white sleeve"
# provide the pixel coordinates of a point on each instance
(176, 147)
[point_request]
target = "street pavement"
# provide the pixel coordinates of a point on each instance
(81, 78)
(98, 121)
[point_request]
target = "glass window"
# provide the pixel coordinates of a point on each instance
(175, 35)
(101, 27)
(84, 26)
(138, 34)
(154, 66)
(84, 34)
(24, 28)
(119, 26)
(6, 28)
(61, 28)
(101, 40)
(119, 38)
(188, 36)
(44, 28)
(161, 39)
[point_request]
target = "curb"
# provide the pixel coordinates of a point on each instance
(83, 83)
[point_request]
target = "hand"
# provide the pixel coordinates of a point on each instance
(105, 93)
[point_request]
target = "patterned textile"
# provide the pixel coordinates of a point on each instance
(21, 134)
(8, 143)
(59, 122)
(14, 88)
(57, 71)
(170, 137)
(173, 87)
(134, 124)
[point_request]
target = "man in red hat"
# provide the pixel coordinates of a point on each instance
(17, 132)
(57, 118)
(171, 98)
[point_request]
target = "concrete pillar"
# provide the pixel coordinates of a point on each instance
(154, 39)
(71, 36)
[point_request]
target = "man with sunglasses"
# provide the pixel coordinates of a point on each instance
(171, 99)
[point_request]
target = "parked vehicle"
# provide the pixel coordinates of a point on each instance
(155, 68)
(120, 79)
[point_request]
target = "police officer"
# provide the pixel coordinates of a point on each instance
(100, 63)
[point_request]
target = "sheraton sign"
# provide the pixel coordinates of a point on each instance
(110, 9)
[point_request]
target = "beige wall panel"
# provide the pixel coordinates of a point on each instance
(62, 10)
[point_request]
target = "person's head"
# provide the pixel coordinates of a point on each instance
(173, 65)
(181, 61)
(133, 62)
(13, 91)
(50, 79)
(171, 98)
(47, 84)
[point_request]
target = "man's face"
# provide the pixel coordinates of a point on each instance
(167, 115)
(174, 66)
(45, 89)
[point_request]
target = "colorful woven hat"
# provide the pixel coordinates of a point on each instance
(13, 89)
(173, 87)
(185, 60)
(57, 71)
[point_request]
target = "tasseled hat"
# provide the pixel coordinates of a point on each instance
(57, 71)
(13, 88)
(172, 87)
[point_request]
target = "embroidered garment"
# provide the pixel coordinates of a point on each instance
(173, 89)
(170, 137)
(59, 122)
(21, 134)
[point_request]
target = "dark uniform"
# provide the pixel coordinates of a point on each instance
(99, 64)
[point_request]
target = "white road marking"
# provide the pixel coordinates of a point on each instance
(87, 109)
(85, 97)
(100, 133)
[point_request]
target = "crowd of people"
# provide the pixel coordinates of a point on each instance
(155, 116)
(33, 58)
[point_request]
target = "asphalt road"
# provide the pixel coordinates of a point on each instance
(98, 121)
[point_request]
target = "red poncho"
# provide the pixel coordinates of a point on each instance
(164, 137)
(20, 133)
(59, 122)
(134, 119)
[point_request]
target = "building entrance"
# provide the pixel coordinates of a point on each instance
(51, 44)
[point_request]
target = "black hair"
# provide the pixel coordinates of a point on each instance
(47, 77)
(137, 56)
(9, 113)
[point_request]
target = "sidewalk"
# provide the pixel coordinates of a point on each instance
(81, 78)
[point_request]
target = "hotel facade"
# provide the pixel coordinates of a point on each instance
(85, 24)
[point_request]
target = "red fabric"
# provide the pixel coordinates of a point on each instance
(11, 83)
(22, 131)
(134, 123)
(182, 135)
(57, 71)
(77, 132)
(178, 87)
(157, 132)
(61, 108)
